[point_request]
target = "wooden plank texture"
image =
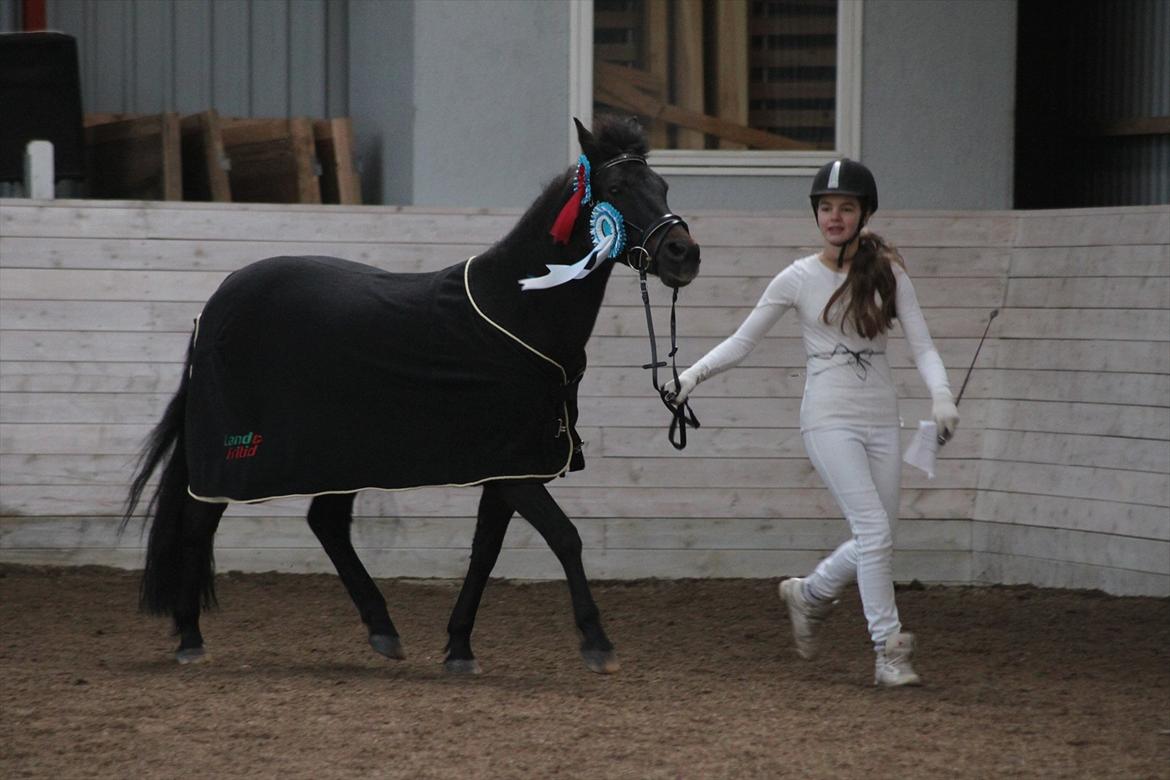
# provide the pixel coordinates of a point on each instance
(1059, 475)
(205, 162)
(135, 157)
(333, 139)
(1009, 569)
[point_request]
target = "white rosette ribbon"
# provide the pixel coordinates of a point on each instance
(609, 239)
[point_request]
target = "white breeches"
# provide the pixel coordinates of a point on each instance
(862, 467)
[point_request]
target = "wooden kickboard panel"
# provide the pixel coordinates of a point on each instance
(1065, 424)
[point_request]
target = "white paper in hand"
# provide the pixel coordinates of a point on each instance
(923, 448)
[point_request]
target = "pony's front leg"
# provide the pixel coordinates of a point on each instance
(330, 517)
(533, 501)
(490, 526)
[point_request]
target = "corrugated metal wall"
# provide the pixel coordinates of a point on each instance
(1093, 75)
(1125, 75)
(271, 58)
(9, 15)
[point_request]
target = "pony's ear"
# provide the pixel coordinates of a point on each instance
(588, 143)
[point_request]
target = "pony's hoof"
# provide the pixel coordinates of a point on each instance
(601, 661)
(389, 646)
(462, 666)
(190, 655)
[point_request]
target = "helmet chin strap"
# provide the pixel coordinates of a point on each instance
(845, 246)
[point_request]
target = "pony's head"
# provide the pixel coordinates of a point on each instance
(656, 239)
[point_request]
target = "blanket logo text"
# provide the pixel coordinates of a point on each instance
(244, 445)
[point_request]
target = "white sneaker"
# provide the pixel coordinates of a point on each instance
(893, 663)
(805, 616)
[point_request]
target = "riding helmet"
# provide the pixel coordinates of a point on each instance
(845, 177)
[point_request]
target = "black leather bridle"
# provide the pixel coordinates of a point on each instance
(640, 258)
(681, 414)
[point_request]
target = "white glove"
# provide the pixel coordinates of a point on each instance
(946, 416)
(687, 381)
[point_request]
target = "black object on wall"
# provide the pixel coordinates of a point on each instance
(40, 99)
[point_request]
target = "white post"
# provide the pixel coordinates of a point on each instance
(38, 170)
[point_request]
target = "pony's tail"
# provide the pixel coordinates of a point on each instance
(162, 575)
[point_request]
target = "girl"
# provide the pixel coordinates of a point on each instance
(847, 297)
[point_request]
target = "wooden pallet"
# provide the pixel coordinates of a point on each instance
(272, 160)
(340, 182)
(206, 157)
(205, 162)
(134, 156)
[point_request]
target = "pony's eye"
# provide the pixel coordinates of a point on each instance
(613, 190)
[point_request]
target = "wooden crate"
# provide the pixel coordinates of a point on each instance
(134, 157)
(340, 182)
(205, 162)
(272, 160)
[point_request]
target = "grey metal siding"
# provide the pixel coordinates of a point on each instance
(241, 57)
(9, 15)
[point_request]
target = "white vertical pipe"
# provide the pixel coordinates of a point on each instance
(38, 170)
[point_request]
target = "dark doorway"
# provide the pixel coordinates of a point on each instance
(1092, 103)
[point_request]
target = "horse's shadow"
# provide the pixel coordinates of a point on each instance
(328, 674)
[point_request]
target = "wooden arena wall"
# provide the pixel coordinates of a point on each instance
(1074, 481)
(1058, 477)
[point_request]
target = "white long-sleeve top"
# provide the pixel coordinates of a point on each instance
(848, 379)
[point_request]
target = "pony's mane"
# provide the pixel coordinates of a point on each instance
(613, 135)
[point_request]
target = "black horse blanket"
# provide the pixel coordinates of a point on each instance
(314, 375)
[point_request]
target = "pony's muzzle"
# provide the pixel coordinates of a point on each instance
(678, 258)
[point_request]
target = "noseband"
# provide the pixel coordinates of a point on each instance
(638, 256)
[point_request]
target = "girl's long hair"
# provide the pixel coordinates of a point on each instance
(865, 299)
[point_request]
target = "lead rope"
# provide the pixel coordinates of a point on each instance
(681, 415)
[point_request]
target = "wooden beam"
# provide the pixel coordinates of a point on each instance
(731, 66)
(305, 159)
(617, 93)
(688, 66)
(644, 80)
(95, 119)
(339, 177)
(172, 168)
(205, 163)
(656, 61)
(1147, 125)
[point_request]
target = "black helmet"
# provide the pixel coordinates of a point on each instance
(845, 177)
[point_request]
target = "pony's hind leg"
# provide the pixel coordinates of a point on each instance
(538, 507)
(196, 573)
(490, 526)
(330, 517)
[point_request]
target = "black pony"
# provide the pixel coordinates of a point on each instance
(458, 377)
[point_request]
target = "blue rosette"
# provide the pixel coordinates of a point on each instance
(606, 221)
(587, 195)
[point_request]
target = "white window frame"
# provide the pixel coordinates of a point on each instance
(722, 162)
